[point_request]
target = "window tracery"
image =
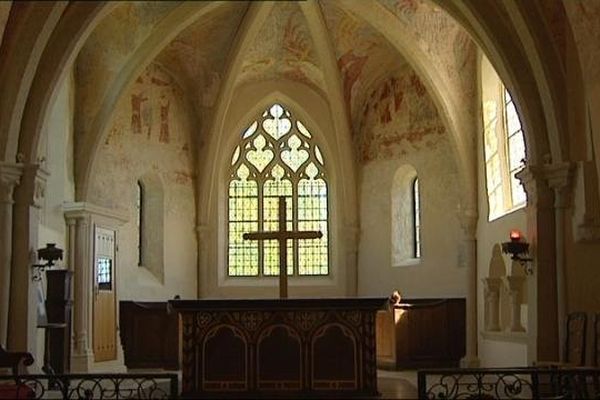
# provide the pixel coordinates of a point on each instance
(277, 157)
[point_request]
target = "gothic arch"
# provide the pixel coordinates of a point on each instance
(314, 111)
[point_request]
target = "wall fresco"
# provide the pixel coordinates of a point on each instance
(197, 55)
(445, 41)
(284, 49)
(363, 55)
(397, 118)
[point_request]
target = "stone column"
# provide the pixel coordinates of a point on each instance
(468, 222)
(515, 289)
(542, 306)
(492, 303)
(82, 354)
(559, 177)
(22, 317)
(10, 174)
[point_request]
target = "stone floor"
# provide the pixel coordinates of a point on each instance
(397, 384)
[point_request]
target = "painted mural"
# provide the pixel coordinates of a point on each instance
(398, 118)
(585, 22)
(197, 55)
(105, 52)
(283, 49)
(441, 37)
(149, 133)
(363, 55)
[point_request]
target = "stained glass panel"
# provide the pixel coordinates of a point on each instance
(274, 158)
(104, 273)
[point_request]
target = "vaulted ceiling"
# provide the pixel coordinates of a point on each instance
(284, 44)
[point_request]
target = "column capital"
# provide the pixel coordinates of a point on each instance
(32, 186)
(560, 178)
(10, 176)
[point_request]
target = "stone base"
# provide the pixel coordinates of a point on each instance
(469, 362)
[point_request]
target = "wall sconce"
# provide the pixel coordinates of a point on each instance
(518, 248)
(50, 253)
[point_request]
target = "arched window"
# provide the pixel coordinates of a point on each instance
(416, 219)
(504, 146)
(405, 217)
(276, 157)
(139, 208)
(150, 214)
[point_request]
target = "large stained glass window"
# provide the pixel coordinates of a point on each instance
(277, 157)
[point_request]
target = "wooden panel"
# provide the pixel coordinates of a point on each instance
(105, 324)
(308, 348)
(428, 333)
(149, 334)
(58, 311)
(279, 359)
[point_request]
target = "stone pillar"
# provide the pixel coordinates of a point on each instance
(542, 306)
(10, 174)
(515, 289)
(22, 316)
(492, 303)
(82, 355)
(559, 178)
(468, 222)
(81, 218)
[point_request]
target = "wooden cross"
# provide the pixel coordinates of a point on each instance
(282, 235)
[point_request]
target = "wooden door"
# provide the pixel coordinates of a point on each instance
(105, 311)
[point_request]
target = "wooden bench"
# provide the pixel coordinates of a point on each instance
(16, 361)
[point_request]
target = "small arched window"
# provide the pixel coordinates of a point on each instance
(277, 157)
(416, 219)
(150, 224)
(406, 217)
(139, 206)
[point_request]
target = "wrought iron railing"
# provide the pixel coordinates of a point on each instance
(510, 383)
(90, 386)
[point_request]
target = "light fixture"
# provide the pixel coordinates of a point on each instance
(518, 249)
(50, 254)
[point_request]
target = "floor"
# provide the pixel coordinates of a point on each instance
(397, 384)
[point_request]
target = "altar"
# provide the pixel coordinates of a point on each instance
(278, 348)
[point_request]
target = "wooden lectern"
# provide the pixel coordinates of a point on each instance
(58, 303)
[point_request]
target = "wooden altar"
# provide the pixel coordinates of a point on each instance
(278, 348)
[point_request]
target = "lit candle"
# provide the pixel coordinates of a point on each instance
(515, 235)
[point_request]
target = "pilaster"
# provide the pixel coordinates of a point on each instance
(28, 198)
(468, 260)
(491, 289)
(10, 174)
(542, 287)
(81, 218)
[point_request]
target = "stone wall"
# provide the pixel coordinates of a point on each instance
(150, 139)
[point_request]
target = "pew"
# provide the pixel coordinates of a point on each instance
(421, 333)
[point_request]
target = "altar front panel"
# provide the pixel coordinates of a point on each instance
(251, 348)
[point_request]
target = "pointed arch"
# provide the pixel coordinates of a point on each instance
(313, 110)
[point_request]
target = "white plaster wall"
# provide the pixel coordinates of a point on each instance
(56, 148)
(400, 126)
(438, 273)
(134, 148)
(494, 354)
